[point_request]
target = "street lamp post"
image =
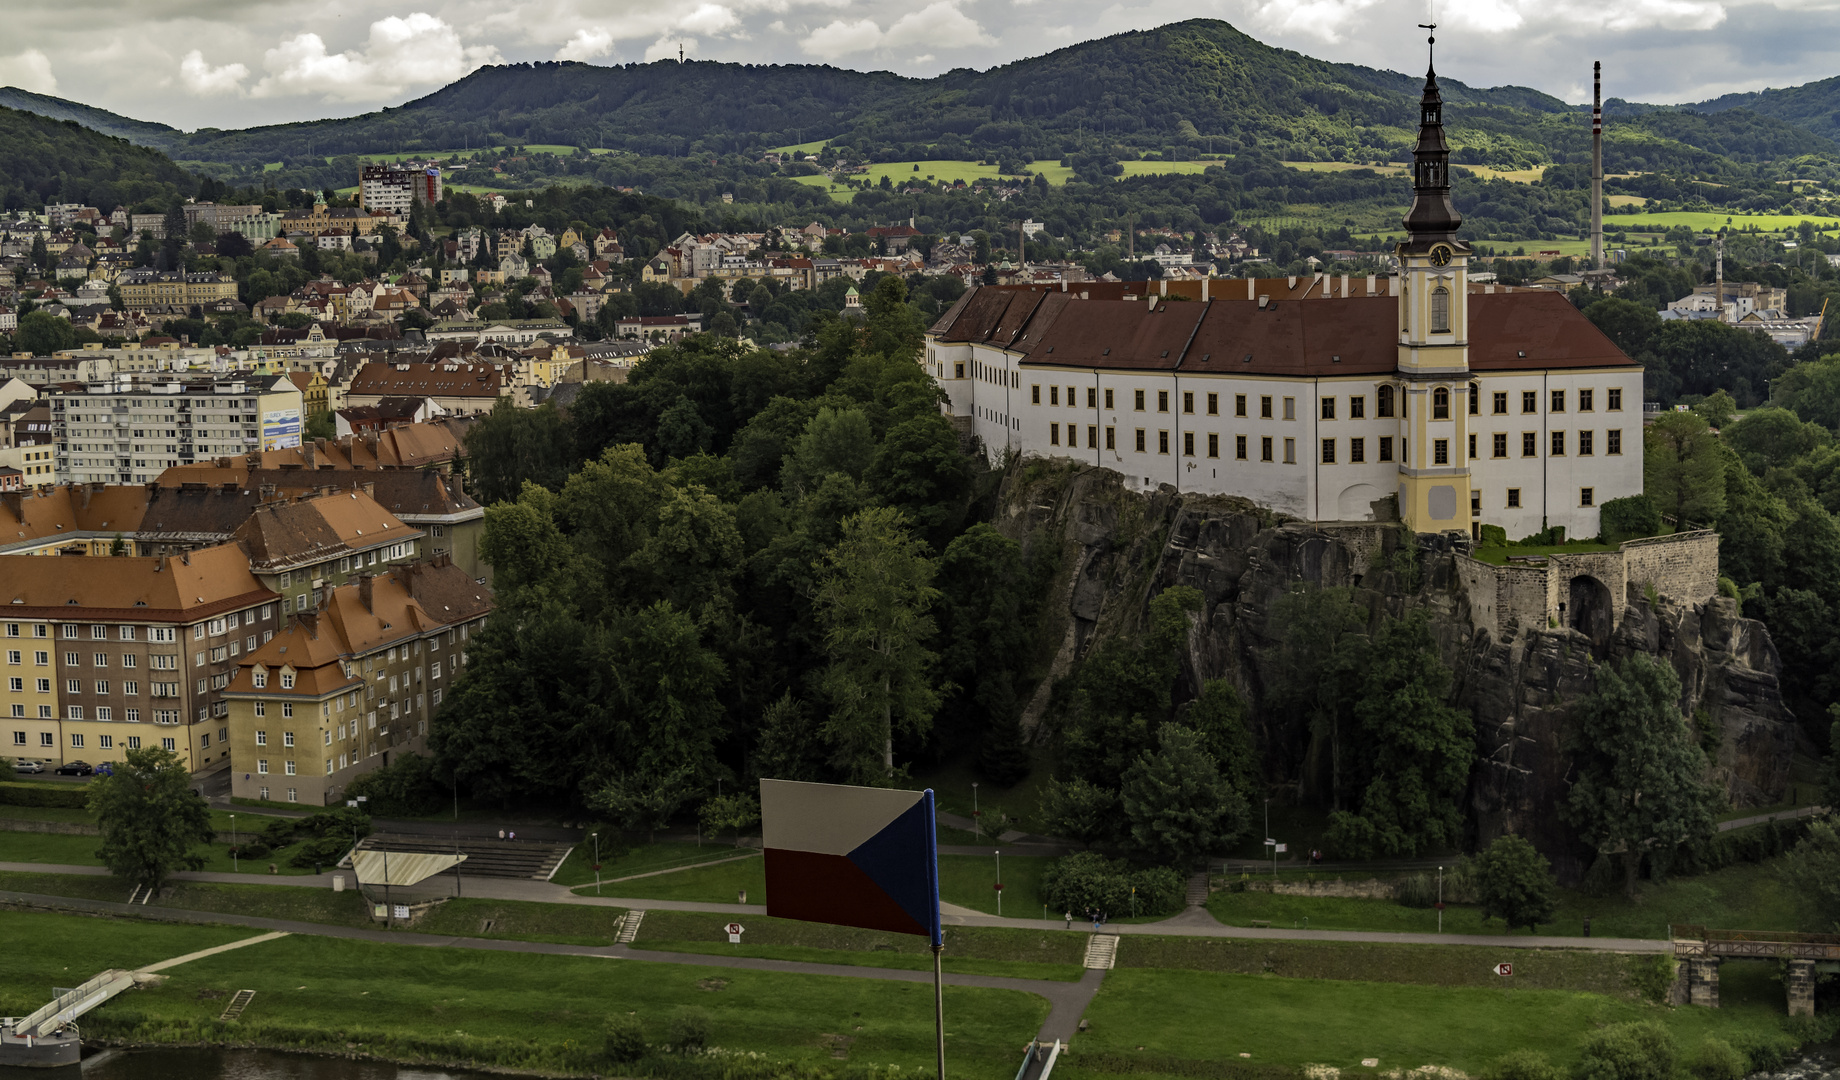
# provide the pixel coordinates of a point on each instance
(597, 863)
(999, 855)
(1440, 906)
(975, 830)
(235, 866)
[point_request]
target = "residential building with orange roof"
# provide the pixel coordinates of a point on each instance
(302, 548)
(106, 655)
(351, 687)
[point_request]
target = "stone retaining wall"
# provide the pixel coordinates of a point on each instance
(1683, 567)
(62, 828)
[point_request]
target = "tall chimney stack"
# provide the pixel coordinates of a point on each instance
(1597, 165)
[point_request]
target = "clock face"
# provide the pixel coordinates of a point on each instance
(1440, 256)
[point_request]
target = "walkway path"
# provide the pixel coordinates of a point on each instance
(1195, 922)
(1780, 815)
(202, 953)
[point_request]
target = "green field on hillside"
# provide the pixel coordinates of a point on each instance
(1700, 221)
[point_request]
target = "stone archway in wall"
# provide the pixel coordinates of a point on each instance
(1588, 610)
(1357, 503)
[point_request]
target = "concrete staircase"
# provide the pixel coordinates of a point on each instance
(1198, 890)
(1101, 951)
(629, 927)
(238, 1004)
(140, 895)
(521, 859)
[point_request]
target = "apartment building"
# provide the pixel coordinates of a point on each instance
(340, 690)
(395, 189)
(131, 428)
(161, 290)
(304, 548)
(107, 655)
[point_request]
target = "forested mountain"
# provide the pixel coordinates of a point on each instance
(44, 160)
(1186, 89)
(144, 132)
(1814, 106)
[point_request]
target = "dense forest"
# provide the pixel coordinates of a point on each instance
(47, 161)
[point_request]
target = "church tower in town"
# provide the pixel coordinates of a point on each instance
(1435, 389)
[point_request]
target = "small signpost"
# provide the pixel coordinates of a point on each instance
(1504, 969)
(734, 933)
(402, 911)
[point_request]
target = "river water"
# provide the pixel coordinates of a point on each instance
(216, 1064)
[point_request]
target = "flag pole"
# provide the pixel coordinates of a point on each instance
(939, 941)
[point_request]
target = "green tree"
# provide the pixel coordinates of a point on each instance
(1316, 667)
(1831, 779)
(1413, 749)
(873, 602)
(1682, 469)
(644, 801)
(1717, 410)
(1812, 868)
(834, 441)
(321, 426)
(1636, 1050)
(1514, 883)
(1176, 802)
(1219, 717)
(1771, 438)
(1079, 811)
(42, 334)
(151, 820)
(734, 811)
(1522, 1065)
(512, 445)
(1639, 777)
(1630, 325)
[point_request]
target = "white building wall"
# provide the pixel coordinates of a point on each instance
(1000, 394)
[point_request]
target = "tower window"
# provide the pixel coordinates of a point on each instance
(1383, 401)
(1475, 399)
(1440, 404)
(1440, 310)
(1440, 451)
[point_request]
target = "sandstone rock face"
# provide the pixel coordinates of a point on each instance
(1119, 549)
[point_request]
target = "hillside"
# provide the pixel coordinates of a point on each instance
(143, 132)
(46, 160)
(1186, 89)
(1814, 106)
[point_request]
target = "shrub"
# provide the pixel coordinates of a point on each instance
(70, 798)
(1418, 890)
(1516, 883)
(1521, 1065)
(406, 787)
(1639, 1050)
(690, 1030)
(1716, 1060)
(1494, 536)
(1628, 518)
(331, 834)
(1653, 976)
(625, 1039)
(254, 849)
(1087, 880)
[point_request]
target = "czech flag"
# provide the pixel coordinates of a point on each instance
(853, 856)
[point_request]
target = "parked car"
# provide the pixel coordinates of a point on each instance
(25, 766)
(75, 768)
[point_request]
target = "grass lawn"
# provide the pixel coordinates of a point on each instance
(1499, 555)
(1166, 168)
(578, 868)
(507, 1009)
(1746, 897)
(811, 147)
(1703, 220)
(965, 880)
(952, 793)
(568, 924)
(1023, 954)
(1518, 176)
(1346, 166)
(1141, 1018)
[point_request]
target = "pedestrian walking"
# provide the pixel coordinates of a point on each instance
(1587, 926)
(514, 834)
(501, 834)
(1070, 920)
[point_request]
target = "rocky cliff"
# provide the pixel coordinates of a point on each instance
(1120, 548)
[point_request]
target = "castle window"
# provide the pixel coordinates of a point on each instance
(1558, 401)
(1290, 408)
(1584, 400)
(1328, 451)
(1162, 442)
(1386, 448)
(1584, 443)
(1440, 404)
(1035, 394)
(1514, 498)
(1092, 436)
(1475, 399)
(1265, 406)
(1188, 444)
(1440, 451)
(1558, 444)
(1328, 408)
(1501, 443)
(1111, 438)
(1054, 434)
(1586, 497)
(1357, 408)
(1140, 440)
(1290, 451)
(1614, 398)
(1140, 400)
(1501, 404)
(1188, 401)
(1108, 397)
(1530, 401)
(1092, 397)
(1383, 401)
(1239, 404)
(1213, 404)
(1162, 401)
(1239, 447)
(1530, 444)
(1613, 441)
(1265, 448)
(1054, 396)
(1440, 310)
(1357, 451)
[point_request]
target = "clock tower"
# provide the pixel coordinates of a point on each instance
(1433, 368)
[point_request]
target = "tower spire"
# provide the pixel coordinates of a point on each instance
(1433, 216)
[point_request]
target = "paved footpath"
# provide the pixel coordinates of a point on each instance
(1195, 922)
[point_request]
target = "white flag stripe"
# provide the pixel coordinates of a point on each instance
(826, 818)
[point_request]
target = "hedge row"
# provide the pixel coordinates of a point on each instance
(75, 798)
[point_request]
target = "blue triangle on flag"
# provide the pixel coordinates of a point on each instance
(897, 859)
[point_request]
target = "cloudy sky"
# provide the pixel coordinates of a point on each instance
(234, 63)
